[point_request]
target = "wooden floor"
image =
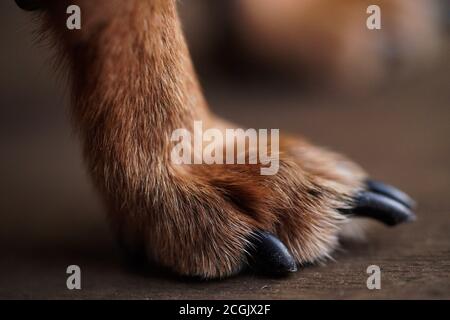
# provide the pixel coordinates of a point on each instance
(51, 218)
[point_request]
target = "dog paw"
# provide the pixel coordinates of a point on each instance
(213, 221)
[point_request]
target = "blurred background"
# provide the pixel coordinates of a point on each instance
(307, 67)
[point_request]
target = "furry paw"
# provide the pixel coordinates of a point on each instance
(212, 221)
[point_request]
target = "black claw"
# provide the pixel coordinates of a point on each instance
(29, 5)
(269, 255)
(391, 192)
(379, 207)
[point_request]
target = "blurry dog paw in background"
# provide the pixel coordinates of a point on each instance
(319, 41)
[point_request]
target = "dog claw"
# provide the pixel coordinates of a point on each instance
(382, 208)
(270, 255)
(391, 192)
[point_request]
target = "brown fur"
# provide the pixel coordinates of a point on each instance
(133, 84)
